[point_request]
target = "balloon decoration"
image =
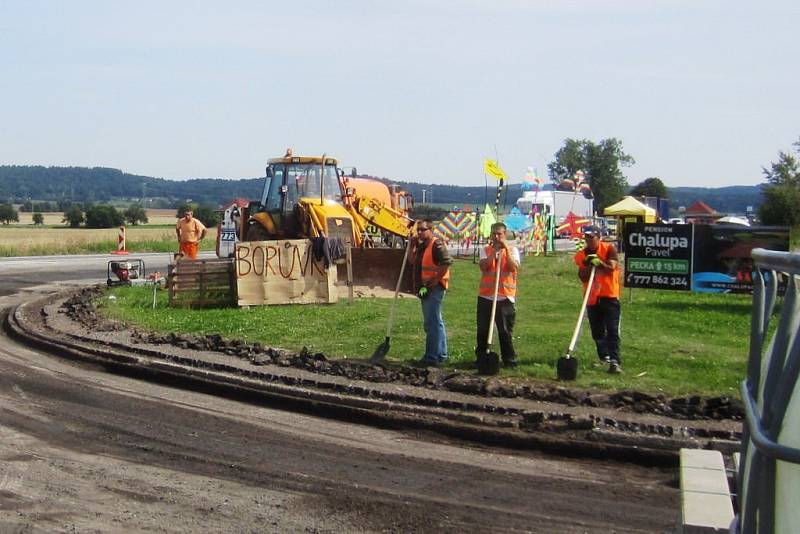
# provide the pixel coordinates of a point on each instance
(578, 183)
(539, 234)
(531, 180)
(566, 185)
(457, 225)
(486, 221)
(572, 225)
(516, 221)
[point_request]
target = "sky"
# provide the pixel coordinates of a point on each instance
(700, 92)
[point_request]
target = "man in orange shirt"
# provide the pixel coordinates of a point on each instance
(603, 306)
(190, 232)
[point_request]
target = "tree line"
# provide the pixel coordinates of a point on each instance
(89, 215)
(602, 163)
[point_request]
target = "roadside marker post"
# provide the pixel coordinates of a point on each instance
(121, 242)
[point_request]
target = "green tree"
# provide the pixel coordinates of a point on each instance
(601, 162)
(73, 216)
(207, 215)
(782, 194)
(785, 170)
(135, 214)
(780, 206)
(103, 216)
(8, 214)
(650, 187)
(27, 206)
(38, 219)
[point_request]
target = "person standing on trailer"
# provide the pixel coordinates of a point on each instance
(603, 307)
(505, 314)
(431, 262)
(190, 232)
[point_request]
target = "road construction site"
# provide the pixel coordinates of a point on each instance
(641, 495)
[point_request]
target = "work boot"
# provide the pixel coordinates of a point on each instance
(602, 362)
(614, 368)
(510, 364)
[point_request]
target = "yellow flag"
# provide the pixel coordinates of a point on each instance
(490, 166)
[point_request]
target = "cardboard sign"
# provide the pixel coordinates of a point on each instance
(282, 272)
(658, 256)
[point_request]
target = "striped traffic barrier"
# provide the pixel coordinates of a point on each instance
(121, 242)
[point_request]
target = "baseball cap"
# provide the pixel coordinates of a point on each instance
(591, 230)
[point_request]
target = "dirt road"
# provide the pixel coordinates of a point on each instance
(83, 450)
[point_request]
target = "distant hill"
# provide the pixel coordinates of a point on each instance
(731, 199)
(100, 184)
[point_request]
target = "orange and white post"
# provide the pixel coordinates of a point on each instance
(122, 247)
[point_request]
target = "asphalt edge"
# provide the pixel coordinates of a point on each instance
(481, 428)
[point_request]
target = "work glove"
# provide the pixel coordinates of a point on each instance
(589, 259)
(580, 244)
(423, 292)
(597, 262)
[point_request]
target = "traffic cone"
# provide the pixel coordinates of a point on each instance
(121, 244)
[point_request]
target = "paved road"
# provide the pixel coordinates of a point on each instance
(85, 450)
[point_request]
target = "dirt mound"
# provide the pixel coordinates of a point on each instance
(81, 308)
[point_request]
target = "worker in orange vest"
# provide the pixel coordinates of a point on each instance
(431, 263)
(603, 306)
(507, 258)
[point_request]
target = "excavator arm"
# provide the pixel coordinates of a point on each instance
(375, 212)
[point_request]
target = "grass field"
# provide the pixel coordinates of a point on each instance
(25, 239)
(672, 342)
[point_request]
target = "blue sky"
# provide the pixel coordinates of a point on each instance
(700, 92)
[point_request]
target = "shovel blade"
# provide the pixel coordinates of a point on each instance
(567, 368)
(488, 363)
(380, 352)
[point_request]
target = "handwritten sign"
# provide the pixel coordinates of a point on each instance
(282, 272)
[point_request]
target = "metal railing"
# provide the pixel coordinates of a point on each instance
(767, 391)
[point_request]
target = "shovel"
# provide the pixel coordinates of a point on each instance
(489, 363)
(382, 349)
(567, 366)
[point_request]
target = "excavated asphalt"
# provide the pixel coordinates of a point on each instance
(627, 425)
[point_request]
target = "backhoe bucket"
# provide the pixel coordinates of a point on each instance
(379, 267)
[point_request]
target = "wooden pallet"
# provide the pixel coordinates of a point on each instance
(202, 283)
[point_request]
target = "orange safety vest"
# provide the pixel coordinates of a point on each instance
(429, 268)
(605, 284)
(508, 279)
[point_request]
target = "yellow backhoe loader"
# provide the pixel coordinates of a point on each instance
(306, 196)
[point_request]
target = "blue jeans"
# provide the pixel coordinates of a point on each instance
(435, 333)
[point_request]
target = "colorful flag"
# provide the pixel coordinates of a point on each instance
(490, 166)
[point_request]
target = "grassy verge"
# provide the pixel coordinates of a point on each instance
(672, 342)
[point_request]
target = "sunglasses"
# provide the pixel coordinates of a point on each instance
(422, 229)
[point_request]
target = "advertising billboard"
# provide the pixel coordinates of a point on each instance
(658, 256)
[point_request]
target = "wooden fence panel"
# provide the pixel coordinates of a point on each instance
(202, 283)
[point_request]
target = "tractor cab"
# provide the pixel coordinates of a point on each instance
(301, 194)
